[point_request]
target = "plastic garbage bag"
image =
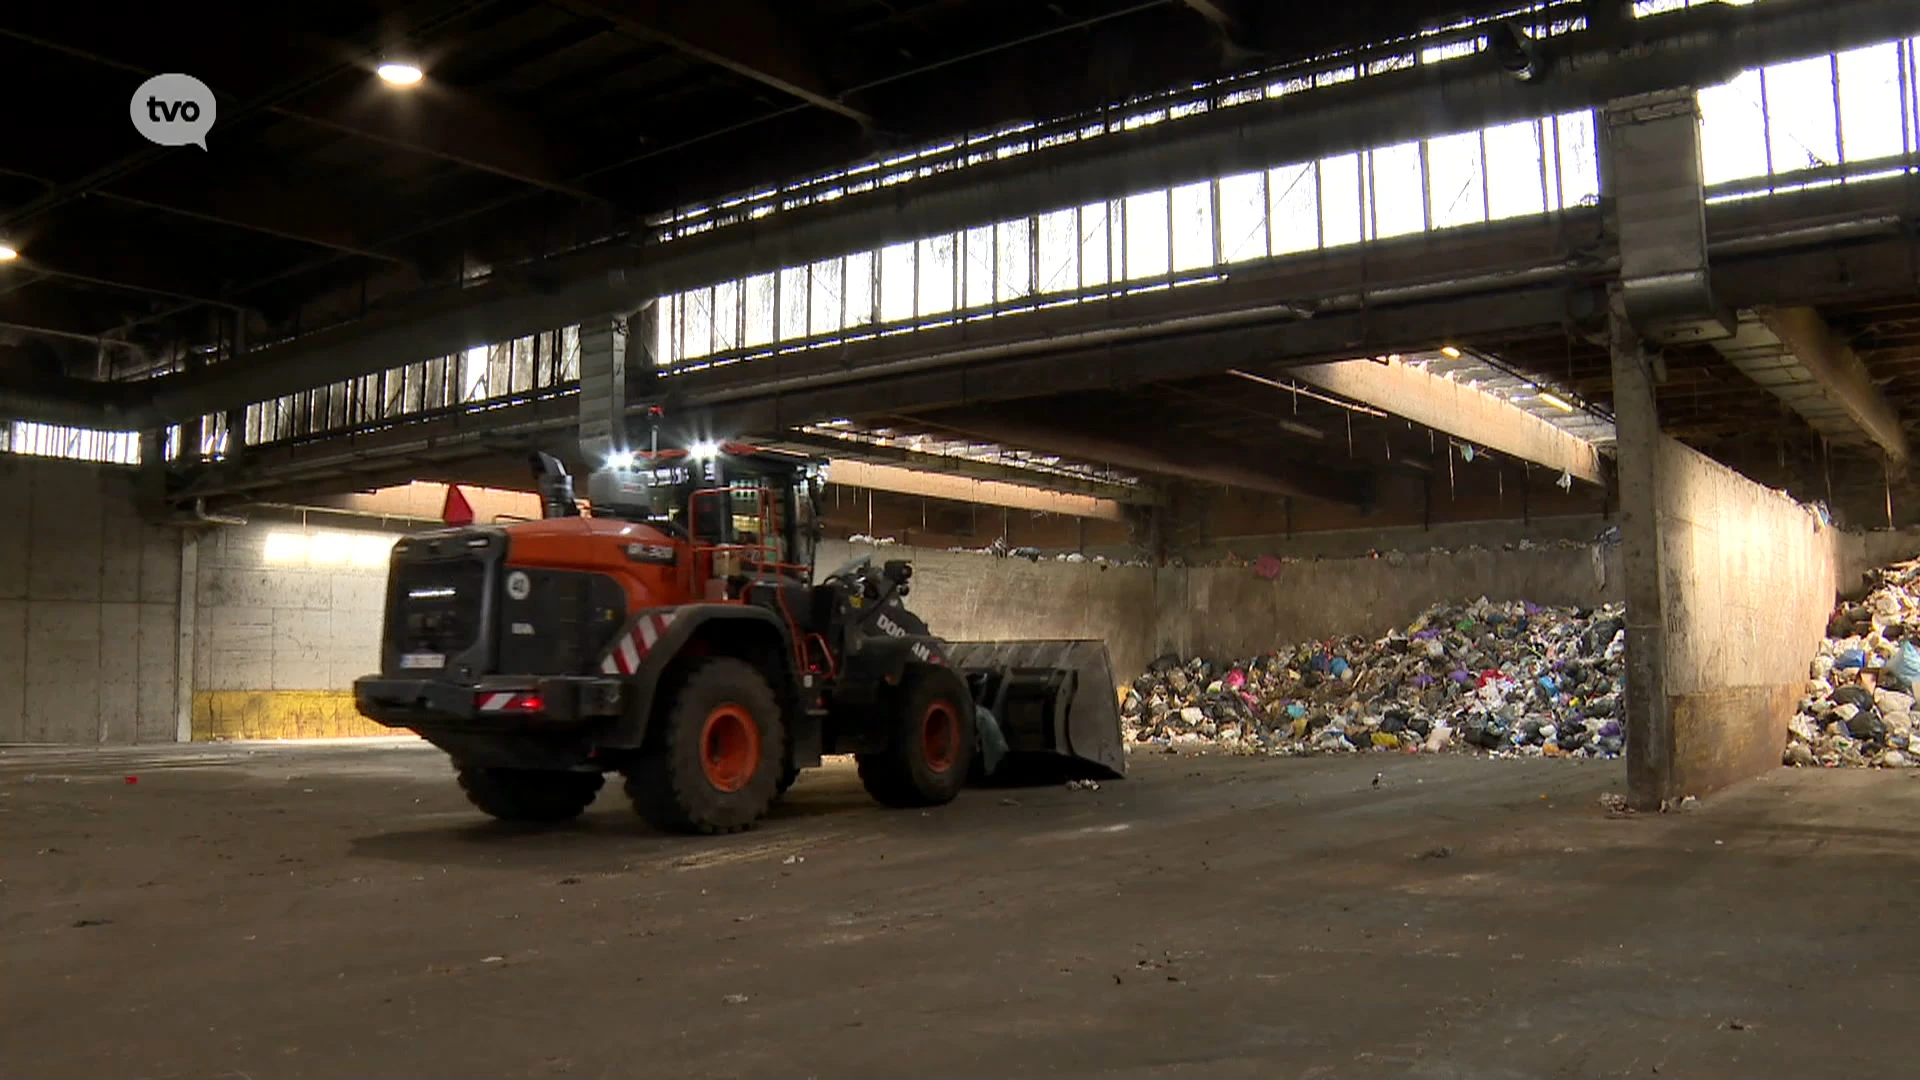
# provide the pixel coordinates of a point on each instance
(1904, 669)
(993, 741)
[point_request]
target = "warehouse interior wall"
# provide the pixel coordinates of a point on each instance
(286, 613)
(1746, 579)
(1231, 612)
(89, 608)
(287, 616)
(1858, 553)
(1359, 542)
(968, 597)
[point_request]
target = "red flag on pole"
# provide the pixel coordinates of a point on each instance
(456, 512)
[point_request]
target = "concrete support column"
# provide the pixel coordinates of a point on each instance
(1727, 583)
(603, 388)
(183, 669)
(1637, 428)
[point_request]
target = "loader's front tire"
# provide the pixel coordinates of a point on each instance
(930, 749)
(535, 796)
(716, 763)
(788, 775)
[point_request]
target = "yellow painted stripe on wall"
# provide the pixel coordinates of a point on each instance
(279, 714)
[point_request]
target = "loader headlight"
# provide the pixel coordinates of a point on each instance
(620, 459)
(704, 450)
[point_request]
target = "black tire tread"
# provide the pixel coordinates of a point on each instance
(535, 796)
(675, 798)
(893, 776)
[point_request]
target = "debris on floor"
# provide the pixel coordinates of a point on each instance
(1857, 709)
(1512, 679)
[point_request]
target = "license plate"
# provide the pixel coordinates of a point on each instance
(419, 660)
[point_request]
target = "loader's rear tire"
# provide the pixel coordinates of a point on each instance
(716, 763)
(535, 796)
(931, 749)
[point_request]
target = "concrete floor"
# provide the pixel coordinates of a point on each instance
(319, 912)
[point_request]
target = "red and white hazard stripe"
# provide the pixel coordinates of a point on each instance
(507, 702)
(626, 654)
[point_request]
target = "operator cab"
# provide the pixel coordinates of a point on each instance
(746, 514)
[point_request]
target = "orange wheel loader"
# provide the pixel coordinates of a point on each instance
(675, 634)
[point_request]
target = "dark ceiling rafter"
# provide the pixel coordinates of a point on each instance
(650, 154)
(408, 196)
(431, 119)
(112, 275)
(233, 112)
(751, 38)
(1192, 456)
(254, 203)
(1351, 115)
(1229, 17)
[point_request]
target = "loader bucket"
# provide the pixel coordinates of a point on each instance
(1055, 702)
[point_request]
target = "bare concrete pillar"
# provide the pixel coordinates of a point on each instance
(603, 388)
(1637, 428)
(1727, 582)
(188, 611)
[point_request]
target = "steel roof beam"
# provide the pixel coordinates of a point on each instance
(1459, 410)
(1796, 356)
(746, 37)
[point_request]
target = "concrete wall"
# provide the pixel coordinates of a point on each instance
(1747, 579)
(1861, 552)
(89, 608)
(1222, 612)
(1454, 535)
(424, 502)
(980, 598)
(288, 616)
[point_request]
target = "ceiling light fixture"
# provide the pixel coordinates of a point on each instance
(399, 73)
(1556, 401)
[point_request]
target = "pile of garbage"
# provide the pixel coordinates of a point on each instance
(1859, 700)
(1513, 679)
(1000, 549)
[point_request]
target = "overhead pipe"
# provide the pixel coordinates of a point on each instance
(1806, 235)
(202, 517)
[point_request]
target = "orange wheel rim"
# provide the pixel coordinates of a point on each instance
(940, 736)
(729, 747)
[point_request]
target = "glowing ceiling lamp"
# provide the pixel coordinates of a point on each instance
(399, 73)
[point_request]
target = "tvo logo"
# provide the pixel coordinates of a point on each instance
(173, 110)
